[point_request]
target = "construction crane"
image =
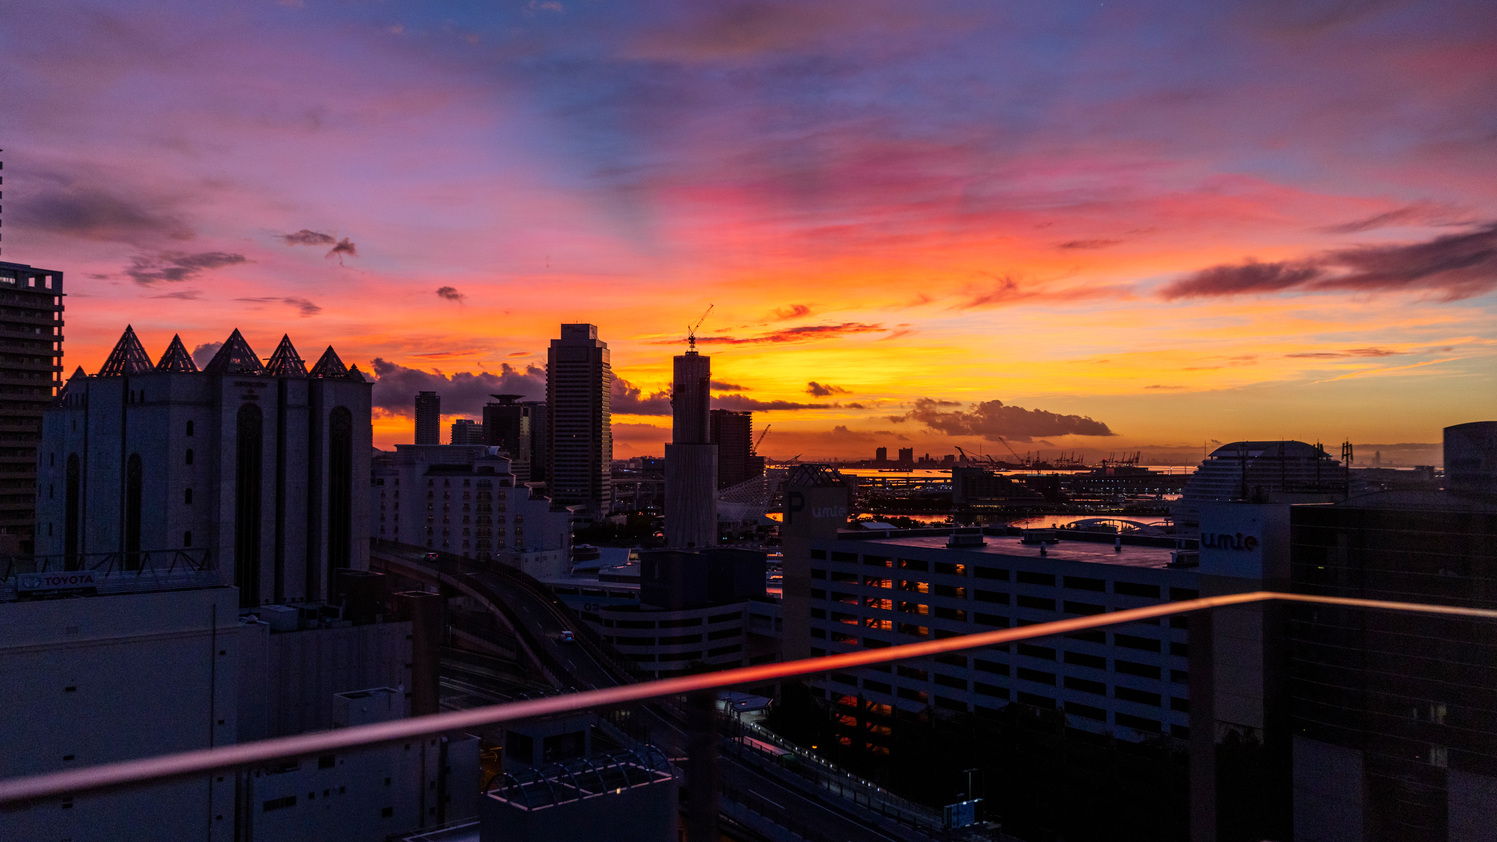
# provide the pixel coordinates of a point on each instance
(760, 439)
(691, 332)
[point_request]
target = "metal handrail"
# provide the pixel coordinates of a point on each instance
(125, 773)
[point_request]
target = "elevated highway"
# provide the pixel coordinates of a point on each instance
(537, 618)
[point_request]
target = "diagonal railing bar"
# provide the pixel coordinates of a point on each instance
(125, 773)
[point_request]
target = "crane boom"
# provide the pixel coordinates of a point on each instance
(691, 332)
(1022, 460)
(760, 439)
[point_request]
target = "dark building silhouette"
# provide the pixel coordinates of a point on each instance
(733, 433)
(507, 425)
(30, 372)
(691, 457)
(466, 431)
(428, 418)
(540, 439)
(1393, 732)
(579, 380)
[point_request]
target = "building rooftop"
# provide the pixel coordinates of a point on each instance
(1063, 550)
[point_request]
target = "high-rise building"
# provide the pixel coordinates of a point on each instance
(30, 372)
(428, 418)
(907, 457)
(691, 459)
(881, 455)
(733, 433)
(507, 426)
(263, 465)
(467, 431)
(540, 439)
(579, 382)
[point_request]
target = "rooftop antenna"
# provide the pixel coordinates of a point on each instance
(691, 332)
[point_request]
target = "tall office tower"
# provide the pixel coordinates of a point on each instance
(881, 455)
(579, 380)
(264, 466)
(691, 459)
(506, 425)
(907, 457)
(30, 372)
(733, 433)
(467, 431)
(428, 418)
(540, 439)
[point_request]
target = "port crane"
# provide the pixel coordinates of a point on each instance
(1021, 460)
(969, 458)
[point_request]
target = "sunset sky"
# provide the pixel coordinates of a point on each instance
(1082, 226)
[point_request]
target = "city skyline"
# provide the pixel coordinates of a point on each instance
(1163, 223)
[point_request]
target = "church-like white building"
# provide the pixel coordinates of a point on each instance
(263, 465)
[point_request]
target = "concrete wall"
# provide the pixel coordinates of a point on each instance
(96, 679)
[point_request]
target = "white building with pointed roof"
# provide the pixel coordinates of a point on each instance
(263, 464)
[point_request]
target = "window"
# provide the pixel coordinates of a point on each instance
(187, 496)
(1083, 660)
(133, 492)
(189, 428)
(1128, 694)
(1130, 668)
(1096, 688)
(187, 538)
(1036, 675)
(1134, 642)
(1135, 589)
(1086, 711)
(189, 456)
(1083, 608)
(1084, 583)
(1137, 723)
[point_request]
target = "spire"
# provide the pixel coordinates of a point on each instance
(176, 358)
(285, 362)
(128, 357)
(355, 375)
(329, 366)
(235, 357)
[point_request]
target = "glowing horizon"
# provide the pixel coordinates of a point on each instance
(1169, 223)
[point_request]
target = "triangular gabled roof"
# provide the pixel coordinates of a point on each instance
(330, 366)
(128, 357)
(356, 375)
(62, 394)
(176, 358)
(285, 362)
(235, 357)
